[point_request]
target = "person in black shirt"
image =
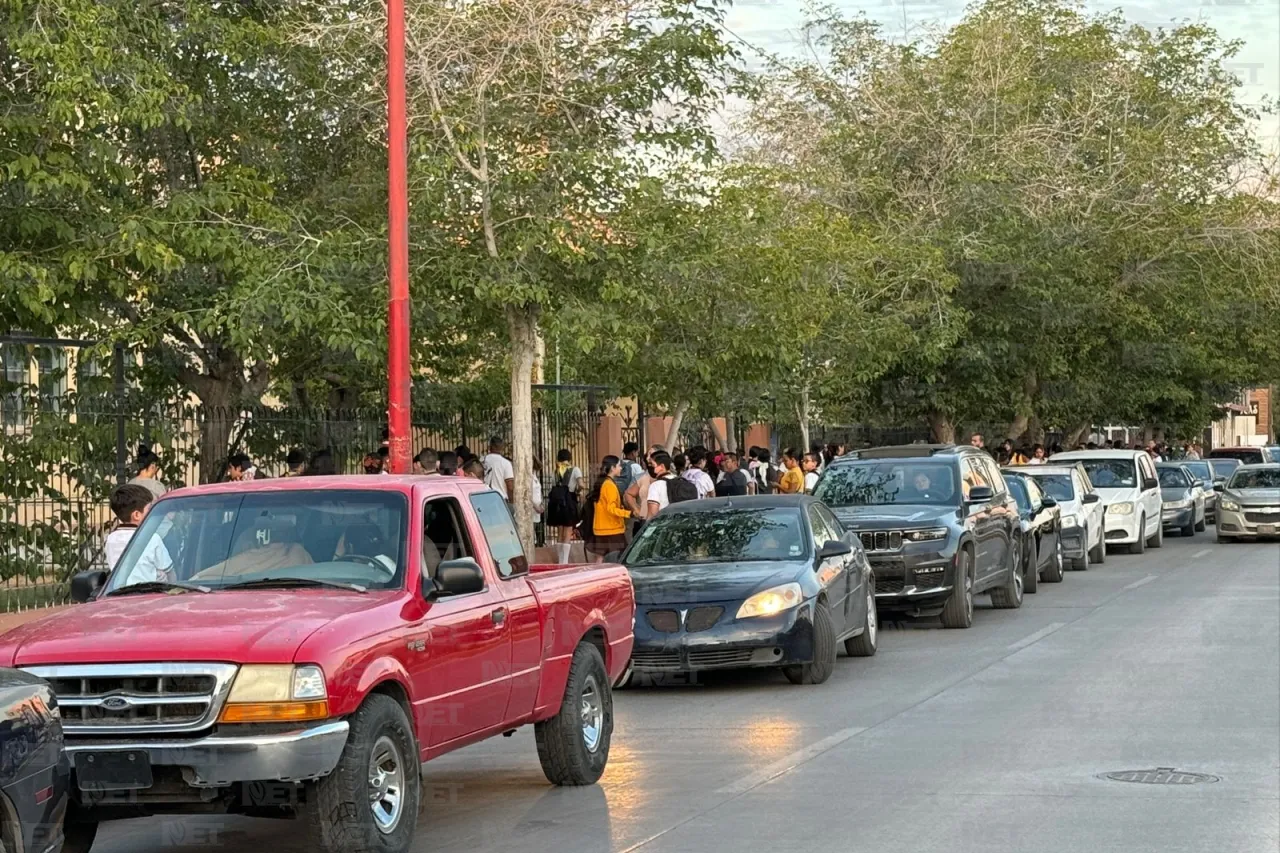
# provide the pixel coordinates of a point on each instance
(733, 481)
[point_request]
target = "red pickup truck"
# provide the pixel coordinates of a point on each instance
(297, 647)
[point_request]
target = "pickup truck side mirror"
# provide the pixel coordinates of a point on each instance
(454, 577)
(1092, 498)
(834, 548)
(85, 585)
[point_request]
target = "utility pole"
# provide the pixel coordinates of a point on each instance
(398, 380)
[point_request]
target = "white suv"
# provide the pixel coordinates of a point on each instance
(1130, 490)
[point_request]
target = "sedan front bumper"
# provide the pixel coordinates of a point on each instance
(220, 760)
(1074, 543)
(1121, 529)
(1178, 517)
(1250, 522)
(729, 644)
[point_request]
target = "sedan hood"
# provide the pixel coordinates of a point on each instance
(895, 515)
(1254, 497)
(254, 626)
(684, 583)
(1178, 493)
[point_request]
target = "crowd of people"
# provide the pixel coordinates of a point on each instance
(1037, 454)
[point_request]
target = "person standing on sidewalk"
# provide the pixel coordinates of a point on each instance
(148, 472)
(792, 481)
(696, 473)
(810, 466)
(563, 502)
(607, 517)
(499, 475)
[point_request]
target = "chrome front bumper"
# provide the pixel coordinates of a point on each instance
(219, 760)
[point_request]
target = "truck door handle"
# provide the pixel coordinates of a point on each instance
(499, 616)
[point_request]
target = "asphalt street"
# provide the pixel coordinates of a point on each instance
(993, 739)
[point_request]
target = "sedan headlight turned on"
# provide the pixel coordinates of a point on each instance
(771, 602)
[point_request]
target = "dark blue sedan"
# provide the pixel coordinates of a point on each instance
(764, 581)
(33, 769)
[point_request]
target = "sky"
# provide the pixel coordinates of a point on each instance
(774, 26)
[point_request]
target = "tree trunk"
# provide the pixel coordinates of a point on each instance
(731, 433)
(1072, 438)
(1035, 430)
(673, 431)
(1022, 419)
(942, 427)
(721, 441)
(522, 326)
(802, 415)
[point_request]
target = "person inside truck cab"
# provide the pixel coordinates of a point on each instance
(265, 545)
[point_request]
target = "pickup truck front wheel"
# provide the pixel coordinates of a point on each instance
(369, 803)
(573, 746)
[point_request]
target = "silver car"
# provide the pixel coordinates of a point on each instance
(1249, 503)
(1183, 506)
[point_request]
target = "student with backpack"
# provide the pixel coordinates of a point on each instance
(768, 475)
(562, 503)
(667, 488)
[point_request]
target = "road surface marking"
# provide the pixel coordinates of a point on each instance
(1037, 636)
(1148, 579)
(1198, 554)
(788, 763)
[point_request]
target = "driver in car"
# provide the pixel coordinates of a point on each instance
(258, 549)
(926, 490)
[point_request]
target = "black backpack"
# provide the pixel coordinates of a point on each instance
(680, 490)
(562, 504)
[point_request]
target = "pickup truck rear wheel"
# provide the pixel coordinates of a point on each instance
(824, 650)
(573, 746)
(369, 803)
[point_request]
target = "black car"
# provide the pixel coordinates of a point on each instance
(1040, 545)
(938, 525)
(764, 581)
(33, 769)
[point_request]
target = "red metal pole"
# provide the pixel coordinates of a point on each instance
(398, 380)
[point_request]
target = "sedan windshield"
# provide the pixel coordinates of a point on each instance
(1173, 478)
(719, 536)
(294, 539)
(1057, 486)
(1200, 469)
(1258, 478)
(896, 482)
(1224, 467)
(1111, 473)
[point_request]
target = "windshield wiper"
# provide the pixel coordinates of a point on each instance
(157, 586)
(266, 582)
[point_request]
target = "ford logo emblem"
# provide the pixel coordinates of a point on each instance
(114, 703)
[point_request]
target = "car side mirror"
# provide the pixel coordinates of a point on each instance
(1150, 483)
(1048, 502)
(1092, 498)
(1219, 486)
(834, 548)
(86, 585)
(454, 577)
(980, 494)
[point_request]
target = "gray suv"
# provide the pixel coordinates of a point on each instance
(937, 523)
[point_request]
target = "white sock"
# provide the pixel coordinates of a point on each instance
(563, 549)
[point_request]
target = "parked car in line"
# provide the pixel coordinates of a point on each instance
(761, 581)
(322, 637)
(1126, 480)
(1249, 503)
(937, 523)
(1223, 469)
(1202, 470)
(33, 768)
(1246, 455)
(1182, 499)
(1040, 531)
(1083, 522)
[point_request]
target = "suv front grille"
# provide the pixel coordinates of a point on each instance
(889, 585)
(106, 699)
(882, 540)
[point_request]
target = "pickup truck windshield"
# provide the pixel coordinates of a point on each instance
(216, 541)
(898, 482)
(719, 536)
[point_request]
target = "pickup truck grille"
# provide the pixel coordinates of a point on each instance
(107, 699)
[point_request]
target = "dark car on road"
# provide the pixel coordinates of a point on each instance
(1183, 505)
(937, 523)
(1080, 511)
(33, 769)
(761, 581)
(1202, 470)
(1040, 531)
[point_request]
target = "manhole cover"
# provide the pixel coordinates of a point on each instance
(1160, 776)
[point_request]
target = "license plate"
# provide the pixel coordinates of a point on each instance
(1268, 529)
(125, 770)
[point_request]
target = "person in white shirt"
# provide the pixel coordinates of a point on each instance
(810, 463)
(535, 498)
(130, 503)
(657, 500)
(697, 474)
(499, 475)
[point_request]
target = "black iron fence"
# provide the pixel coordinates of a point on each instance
(59, 462)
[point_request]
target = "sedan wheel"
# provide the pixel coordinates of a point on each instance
(864, 645)
(1030, 559)
(1055, 572)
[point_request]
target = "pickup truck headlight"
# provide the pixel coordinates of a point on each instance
(1125, 508)
(773, 601)
(1068, 521)
(931, 535)
(277, 694)
(1229, 505)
